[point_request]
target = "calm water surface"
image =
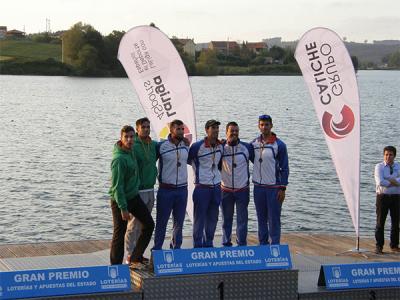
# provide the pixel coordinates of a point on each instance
(57, 134)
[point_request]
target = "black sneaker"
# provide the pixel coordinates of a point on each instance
(151, 264)
(379, 250)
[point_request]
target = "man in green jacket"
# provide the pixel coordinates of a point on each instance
(146, 156)
(125, 200)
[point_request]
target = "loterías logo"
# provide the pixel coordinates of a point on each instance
(342, 129)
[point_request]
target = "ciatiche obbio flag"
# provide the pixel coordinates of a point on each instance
(331, 80)
(159, 77)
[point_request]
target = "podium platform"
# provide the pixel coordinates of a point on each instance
(309, 252)
(270, 284)
(131, 295)
(309, 271)
(377, 293)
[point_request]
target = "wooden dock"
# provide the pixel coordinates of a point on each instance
(320, 244)
(308, 251)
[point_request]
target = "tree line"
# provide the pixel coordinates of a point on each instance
(91, 54)
(86, 52)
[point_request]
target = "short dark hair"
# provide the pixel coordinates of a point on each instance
(391, 149)
(231, 124)
(265, 118)
(127, 128)
(175, 122)
(211, 123)
(141, 121)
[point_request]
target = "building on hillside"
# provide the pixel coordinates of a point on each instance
(57, 34)
(188, 46)
(15, 34)
(269, 60)
(256, 47)
(275, 41)
(289, 44)
(3, 32)
(225, 47)
(201, 46)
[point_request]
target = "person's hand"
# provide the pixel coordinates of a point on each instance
(394, 182)
(281, 196)
(126, 216)
(186, 141)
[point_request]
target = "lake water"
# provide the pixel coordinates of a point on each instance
(57, 134)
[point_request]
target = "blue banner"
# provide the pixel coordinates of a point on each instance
(352, 276)
(226, 259)
(68, 281)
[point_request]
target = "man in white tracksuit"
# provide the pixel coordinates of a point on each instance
(270, 178)
(205, 158)
(235, 185)
(172, 193)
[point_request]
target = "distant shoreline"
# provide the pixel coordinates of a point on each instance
(63, 70)
(52, 67)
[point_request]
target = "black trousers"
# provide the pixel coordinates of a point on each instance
(385, 204)
(140, 211)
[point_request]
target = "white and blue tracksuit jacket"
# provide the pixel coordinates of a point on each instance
(205, 161)
(235, 165)
(172, 168)
(271, 166)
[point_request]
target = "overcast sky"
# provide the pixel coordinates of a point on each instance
(206, 20)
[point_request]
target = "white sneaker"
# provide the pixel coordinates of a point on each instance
(128, 260)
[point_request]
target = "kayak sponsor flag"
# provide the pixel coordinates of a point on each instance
(330, 77)
(159, 77)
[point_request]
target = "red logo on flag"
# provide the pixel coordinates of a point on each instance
(342, 129)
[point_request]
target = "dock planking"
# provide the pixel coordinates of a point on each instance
(320, 244)
(52, 248)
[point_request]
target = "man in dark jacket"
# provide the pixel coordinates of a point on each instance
(146, 157)
(125, 200)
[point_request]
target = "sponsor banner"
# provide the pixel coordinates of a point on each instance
(330, 77)
(226, 259)
(352, 276)
(160, 80)
(66, 281)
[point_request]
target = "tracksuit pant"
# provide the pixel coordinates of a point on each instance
(134, 226)
(240, 199)
(206, 201)
(384, 205)
(268, 210)
(170, 200)
(139, 210)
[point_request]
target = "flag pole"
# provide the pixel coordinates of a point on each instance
(357, 250)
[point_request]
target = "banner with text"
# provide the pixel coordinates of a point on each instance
(352, 276)
(68, 281)
(331, 80)
(226, 259)
(159, 77)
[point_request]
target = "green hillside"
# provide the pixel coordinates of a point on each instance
(26, 50)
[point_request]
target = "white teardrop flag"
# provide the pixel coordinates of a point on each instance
(331, 80)
(157, 72)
